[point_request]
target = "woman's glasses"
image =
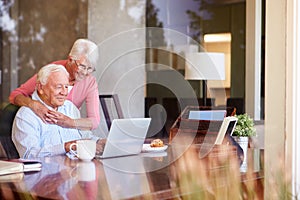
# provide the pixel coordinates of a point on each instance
(84, 67)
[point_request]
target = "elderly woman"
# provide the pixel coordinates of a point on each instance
(83, 88)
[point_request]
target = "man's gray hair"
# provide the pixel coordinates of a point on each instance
(86, 48)
(44, 73)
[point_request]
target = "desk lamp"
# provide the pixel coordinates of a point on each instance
(205, 66)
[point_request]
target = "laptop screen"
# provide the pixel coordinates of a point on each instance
(227, 127)
(126, 137)
(207, 114)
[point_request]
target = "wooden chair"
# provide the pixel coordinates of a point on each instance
(157, 127)
(111, 108)
(6, 122)
(172, 109)
(149, 101)
(238, 103)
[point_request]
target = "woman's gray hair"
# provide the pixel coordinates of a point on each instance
(86, 48)
(44, 73)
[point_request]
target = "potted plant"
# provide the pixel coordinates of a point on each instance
(244, 126)
(243, 130)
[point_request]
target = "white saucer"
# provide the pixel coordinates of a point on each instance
(155, 154)
(147, 148)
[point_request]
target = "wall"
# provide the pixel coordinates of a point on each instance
(118, 29)
(282, 104)
(275, 96)
(44, 32)
(55, 40)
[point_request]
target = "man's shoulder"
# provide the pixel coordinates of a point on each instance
(24, 109)
(25, 113)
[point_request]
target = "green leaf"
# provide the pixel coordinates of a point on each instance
(244, 126)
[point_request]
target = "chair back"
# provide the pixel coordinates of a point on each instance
(238, 103)
(6, 121)
(111, 108)
(149, 101)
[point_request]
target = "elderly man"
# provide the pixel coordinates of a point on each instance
(34, 138)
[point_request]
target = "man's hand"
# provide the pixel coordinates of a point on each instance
(100, 146)
(68, 144)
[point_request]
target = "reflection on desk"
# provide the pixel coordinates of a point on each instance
(125, 177)
(164, 176)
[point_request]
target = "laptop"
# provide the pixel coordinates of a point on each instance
(227, 128)
(126, 137)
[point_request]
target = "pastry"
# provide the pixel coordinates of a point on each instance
(157, 143)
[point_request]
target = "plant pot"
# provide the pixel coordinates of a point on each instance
(243, 142)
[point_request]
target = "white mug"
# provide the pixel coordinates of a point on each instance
(86, 149)
(84, 171)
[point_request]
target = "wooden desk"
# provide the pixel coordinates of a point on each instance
(164, 175)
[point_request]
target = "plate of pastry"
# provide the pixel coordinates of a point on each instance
(156, 145)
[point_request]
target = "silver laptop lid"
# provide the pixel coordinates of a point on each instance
(227, 127)
(126, 137)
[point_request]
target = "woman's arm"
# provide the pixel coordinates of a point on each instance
(87, 91)
(52, 117)
(22, 97)
(67, 122)
(26, 89)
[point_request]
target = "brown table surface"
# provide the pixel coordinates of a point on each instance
(155, 175)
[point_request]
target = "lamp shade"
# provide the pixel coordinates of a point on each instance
(205, 66)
